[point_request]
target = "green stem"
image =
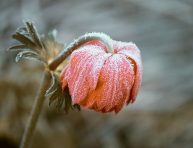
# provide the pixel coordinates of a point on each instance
(37, 106)
(79, 42)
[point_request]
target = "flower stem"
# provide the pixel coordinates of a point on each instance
(37, 106)
(79, 42)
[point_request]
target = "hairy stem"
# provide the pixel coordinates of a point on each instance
(37, 106)
(79, 42)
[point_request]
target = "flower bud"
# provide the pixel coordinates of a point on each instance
(103, 81)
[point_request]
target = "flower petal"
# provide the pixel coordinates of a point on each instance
(85, 66)
(97, 43)
(131, 51)
(114, 85)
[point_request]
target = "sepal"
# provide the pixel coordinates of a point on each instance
(58, 97)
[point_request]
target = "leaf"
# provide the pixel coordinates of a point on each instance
(53, 86)
(55, 90)
(17, 47)
(52, 98)
(34, 34)
(61, 98)
(23, 30)
(61, 102)
(29, 55)
(25, 40)
(68, 100)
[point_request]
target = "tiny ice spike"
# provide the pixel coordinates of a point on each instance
(103, 81)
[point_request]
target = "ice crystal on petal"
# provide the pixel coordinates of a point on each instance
(103, 81)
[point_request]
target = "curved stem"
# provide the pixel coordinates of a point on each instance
(79, 42)
(37, 106)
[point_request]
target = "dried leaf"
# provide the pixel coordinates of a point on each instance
(60, 102)
(17, 47)
(52, 98)
(23, 30)
(55, 90)
(33, 46)
(25, 40)
(34, 34)
(60, 98)
(53, 86)
(29, 55)
(68, 100)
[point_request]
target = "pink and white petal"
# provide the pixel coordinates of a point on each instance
(113, 87)
(88, 77)
(80, 81)
(130, 46)
(125, 81)
(99, 98)
(123, 78)
(75, 76)
(73, 71)
(95, 67)
(78, 58)
(107, 81)
(81, 86)
(98, 43)
(134, 57)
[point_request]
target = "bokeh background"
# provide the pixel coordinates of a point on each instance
(161, 117)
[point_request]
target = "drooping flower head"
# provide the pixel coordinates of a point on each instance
(103, 81)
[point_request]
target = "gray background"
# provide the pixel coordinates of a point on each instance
(162, 114)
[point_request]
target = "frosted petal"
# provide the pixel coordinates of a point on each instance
(103, 81)
(114, 85)
(131, 51)
(85, 65)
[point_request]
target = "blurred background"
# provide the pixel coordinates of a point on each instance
(161, 117)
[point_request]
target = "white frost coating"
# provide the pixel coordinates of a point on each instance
(103, 81)
(118, 77)
(91, 36)
(84, 64)
(100, 35)
(126, 46)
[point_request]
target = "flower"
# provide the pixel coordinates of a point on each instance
(103, 81)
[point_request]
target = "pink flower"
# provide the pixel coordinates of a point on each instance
(103, 81)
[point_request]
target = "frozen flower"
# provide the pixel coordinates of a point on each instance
(103, 81)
